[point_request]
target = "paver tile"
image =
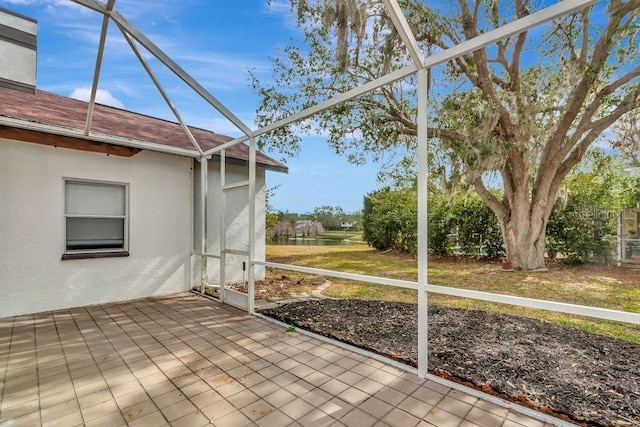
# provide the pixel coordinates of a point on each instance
(484, 418)
(69, 420)
(398, 417)
(154, 419)
(232, 419)
(60, 410)
(97, 411)
(193, 419)
(492, 407)
(316, 418)
(415, 407)
(336, 408)
(275, 418)
(139, 410)
(258, 409)
(297, 408)
(358, 418)
(142, 363)
(523, 419)
(454, 406)
(442, 418)
(353, 396)
(111, 419)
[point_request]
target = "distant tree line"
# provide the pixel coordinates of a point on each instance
(321, 219)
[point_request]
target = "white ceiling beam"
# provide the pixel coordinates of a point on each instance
(563, 8)
(518, 26)
(96, 72)
(167, 61)
(404, 30)
(109, 139)
(164, 94)
(224, 146)
(515, 27)
(92, 4)
(346, 96)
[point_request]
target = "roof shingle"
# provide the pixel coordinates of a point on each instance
(55, 110)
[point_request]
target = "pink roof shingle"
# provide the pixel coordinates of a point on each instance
(55, 110)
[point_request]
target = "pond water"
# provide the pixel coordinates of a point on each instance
(310, 241)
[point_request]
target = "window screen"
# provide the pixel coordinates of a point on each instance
(95, 215)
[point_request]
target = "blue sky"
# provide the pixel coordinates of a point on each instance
(217, 43)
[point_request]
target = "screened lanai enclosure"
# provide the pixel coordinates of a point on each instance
(420, 71)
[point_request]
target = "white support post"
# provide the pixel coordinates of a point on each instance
(96, 71)
(252, 225)
(423, 176)
(192, 223)
(223, 226)
(204, 180)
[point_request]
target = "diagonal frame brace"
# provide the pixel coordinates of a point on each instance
(402, 27)
(163, 93)
(178, 71)
(518, 26)
(167, 61)
(98, 67)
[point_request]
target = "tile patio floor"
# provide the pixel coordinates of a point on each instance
(184, 360)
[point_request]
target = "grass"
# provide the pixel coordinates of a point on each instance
(342, 234)
(607, 287)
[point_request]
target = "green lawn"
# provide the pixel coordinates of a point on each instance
(606, 287)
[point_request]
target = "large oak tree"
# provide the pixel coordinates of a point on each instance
(519, 114)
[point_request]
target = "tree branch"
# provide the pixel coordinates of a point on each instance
(630, 102)
(585, 124)
(601, 52)
(496, 206)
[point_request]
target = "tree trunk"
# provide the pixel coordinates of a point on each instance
(524, 234)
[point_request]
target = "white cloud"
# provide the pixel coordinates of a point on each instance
(50, 5)
(283, 10)
(218, 71)
(103, 96)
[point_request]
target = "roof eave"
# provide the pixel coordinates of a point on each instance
(125, 142)
(109, 139)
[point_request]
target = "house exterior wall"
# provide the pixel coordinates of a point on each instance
(33, 277)
(236, 222)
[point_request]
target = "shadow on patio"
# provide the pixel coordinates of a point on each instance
(184, 360)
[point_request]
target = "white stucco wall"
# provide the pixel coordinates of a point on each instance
(33, 277)
(236, 221)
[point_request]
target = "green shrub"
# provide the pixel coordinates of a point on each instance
(440, 226)
(580, 232)
(390, 220)
(477, 226)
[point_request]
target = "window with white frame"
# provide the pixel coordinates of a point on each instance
(95, 217)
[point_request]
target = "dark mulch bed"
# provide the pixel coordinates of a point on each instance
(586, 378)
